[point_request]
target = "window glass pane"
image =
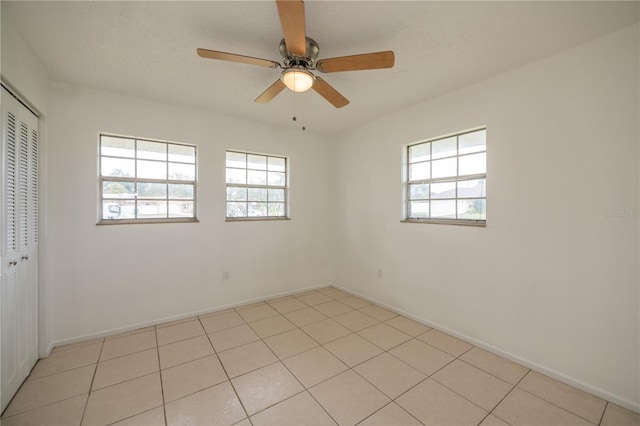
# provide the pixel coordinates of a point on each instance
(152, 169)
(444, 148)
(112, 189)
(257, 194)
(472, 209)
(420, 171)
(236, 194)
(440, 183)
(277, 179)
(255, 173)
(473, 164)
(419, 191)
(152, 209)
(118, 147)
(443, 209)
(276, 195)
(152, 150)
(181, 191)
(117, 167)
(152, 190)
(236, 176)
(145, 194)
(420, 152)
(472, 142)
(257, 209)
(181, 209)
(182, 153)
(179, 171)
(277, 164)
(257, 177)
(472, 188)
(419, 209)
(258, 162)
(236, 209)
(443, 190)
(276, 209)
(236, 159)
(118, 209)
(444, 168)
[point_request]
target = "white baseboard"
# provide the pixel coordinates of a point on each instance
(594, 390)
(136, 326)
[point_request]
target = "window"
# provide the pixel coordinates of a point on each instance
(144, 180)
(446, 180)
(256, 186)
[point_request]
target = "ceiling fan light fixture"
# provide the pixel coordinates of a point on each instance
(297, 79)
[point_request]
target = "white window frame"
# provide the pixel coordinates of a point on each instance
(135, 180)
(450, 179)
(248, 186)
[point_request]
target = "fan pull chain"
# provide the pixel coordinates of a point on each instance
(302, 113)
(294, 118)
(294, 107)
(294, 98)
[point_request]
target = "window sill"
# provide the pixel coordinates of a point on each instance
(463, 222)
(255, 219)
(145, 221)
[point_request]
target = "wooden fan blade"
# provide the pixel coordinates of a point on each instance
(232, 57)
(329, 93)
(366, 61)
(271, 92)
(292, 21)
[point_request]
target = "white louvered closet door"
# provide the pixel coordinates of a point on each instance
(19, 251)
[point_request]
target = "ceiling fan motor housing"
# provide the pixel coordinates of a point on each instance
(308, 61)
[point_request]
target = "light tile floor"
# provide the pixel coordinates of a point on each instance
(323, 357)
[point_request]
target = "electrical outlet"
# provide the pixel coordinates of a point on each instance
(379, 273)
(225, 275)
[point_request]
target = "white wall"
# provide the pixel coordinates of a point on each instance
(552, 281)
(112, 277)
(21, 68)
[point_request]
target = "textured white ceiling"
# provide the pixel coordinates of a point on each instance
(148, 49)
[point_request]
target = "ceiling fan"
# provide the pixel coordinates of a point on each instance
(299, 54)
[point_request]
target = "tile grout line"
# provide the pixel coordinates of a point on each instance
(352, 368)
(226, 374)
(59, 372)
(430, 376)
(45, 405)
(164, 408)
(505, 397)
(393, 401)
(603, 411)
(281, 361)
(129, 417)
(557, 406)
(565, 409)
(26, 380)
(93, 378)
(63, 348)
(129, 380)
(491, 374)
